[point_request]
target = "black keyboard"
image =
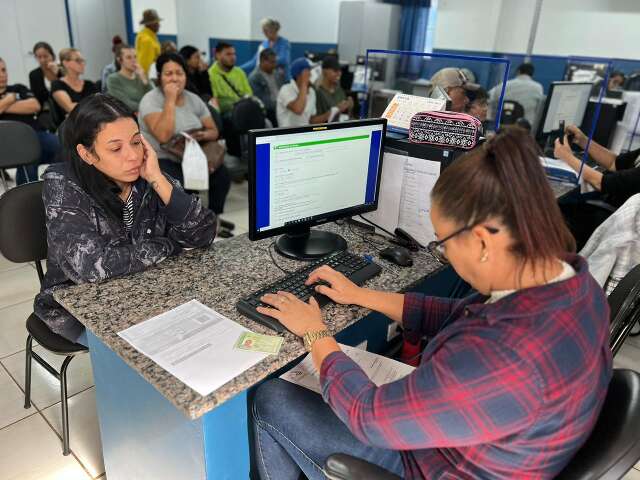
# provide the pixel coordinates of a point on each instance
(354, 267)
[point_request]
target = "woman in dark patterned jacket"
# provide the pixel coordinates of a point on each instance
(110, 210)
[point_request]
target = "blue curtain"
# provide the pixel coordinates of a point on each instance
(413, 33)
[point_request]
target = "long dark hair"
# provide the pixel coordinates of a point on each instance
(46, 46)
(503, 178)
(81, 128)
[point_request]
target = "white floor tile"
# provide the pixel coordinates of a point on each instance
(30, 450)
(14, 331)
(45, 389)
(18, 285)
(84, 430)
(628, 357)
(632, 474)
(11, 401)
(240, 218)
(6, 265)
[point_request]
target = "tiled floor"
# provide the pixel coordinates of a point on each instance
(30, 440)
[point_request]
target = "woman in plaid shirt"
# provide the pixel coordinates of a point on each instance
(513, 378)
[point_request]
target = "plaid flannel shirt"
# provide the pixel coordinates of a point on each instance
(504, 390)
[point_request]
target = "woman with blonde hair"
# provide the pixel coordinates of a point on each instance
(70, 88)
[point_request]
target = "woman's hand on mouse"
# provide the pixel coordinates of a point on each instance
(340, 288)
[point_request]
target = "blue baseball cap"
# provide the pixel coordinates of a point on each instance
(298, 66)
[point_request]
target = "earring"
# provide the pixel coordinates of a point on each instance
(485, 257)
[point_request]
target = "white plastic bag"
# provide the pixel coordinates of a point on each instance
(195, 169)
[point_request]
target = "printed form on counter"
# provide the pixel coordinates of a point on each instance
(403, 106)
(379, 369)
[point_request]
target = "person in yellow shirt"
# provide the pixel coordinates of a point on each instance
(147, 43)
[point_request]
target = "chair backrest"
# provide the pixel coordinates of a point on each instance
(624, 303)
(56, 116)
(20, 144)
(511, 111)
(23, 231)
(247, 114)
(613, 447)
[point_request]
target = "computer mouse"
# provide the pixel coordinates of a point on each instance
(398, 255)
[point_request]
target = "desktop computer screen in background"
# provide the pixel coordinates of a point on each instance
(307, 176)
(567, 101)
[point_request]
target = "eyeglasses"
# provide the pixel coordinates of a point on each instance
(79, 60)
(436, 248)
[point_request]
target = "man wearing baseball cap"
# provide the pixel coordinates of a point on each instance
(455, 83)
(296, 102)
(147, 43)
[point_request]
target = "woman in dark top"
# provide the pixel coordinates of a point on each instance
(197, 75)
(18, 104)
(70, 89)
(110, 211)
(40, 78)
(619, 181)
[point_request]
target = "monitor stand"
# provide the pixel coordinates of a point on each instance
(307, 244)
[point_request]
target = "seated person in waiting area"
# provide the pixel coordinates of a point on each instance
(620, 180)
(296, 104)
(266, 82)
(512, 379)
(130, 83)
(19, 104)
(229, 83)
(331, 99)
(70, 89)
(110, 211)
(170, 109)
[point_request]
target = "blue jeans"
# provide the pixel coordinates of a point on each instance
(295, 431)
(50, 147)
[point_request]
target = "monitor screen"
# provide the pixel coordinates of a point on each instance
(313, 175)
(566, 101)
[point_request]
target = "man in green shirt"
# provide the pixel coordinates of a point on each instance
(129, 84)
(332, 103)
(228, 82)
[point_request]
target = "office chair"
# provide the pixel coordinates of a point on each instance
(511, 112)
(23, 238)
(611, 450)
(20, 147)
(624, 302)
(56, 119)
(247, 115)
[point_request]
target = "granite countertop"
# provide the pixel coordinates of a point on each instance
(560, 189)
(217, 276)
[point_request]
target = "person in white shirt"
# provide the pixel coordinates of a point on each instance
(296, 104)
(522, 89)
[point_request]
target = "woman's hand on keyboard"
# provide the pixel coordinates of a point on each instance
(297, 316)
(334, 285)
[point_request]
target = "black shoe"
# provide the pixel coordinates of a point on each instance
(227, 225)
(224, 233)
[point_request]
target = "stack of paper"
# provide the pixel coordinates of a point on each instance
(402, 107)
(379, 369)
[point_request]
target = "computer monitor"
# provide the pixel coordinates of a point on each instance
(566, 101)
(582, 71)
(306, 176)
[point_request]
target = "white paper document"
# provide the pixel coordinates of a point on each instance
(405, 196)
(402, 107)
(195, 344)
(379, 369)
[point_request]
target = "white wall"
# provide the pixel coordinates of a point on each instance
(94, 24)
(22, 24)
(600, 28)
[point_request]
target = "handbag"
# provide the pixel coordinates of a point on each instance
(448, 129)
(213, 149)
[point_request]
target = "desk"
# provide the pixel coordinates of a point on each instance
(152, 425)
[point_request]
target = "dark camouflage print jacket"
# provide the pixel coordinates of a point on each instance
(85, 244)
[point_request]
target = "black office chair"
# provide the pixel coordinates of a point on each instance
(247, 115)
(23, 238)
(20, 147)
(624, 302)
(56, 116)
(611, 450)
(511, 112)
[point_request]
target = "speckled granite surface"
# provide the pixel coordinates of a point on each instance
(217, 277)
(561, 189)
